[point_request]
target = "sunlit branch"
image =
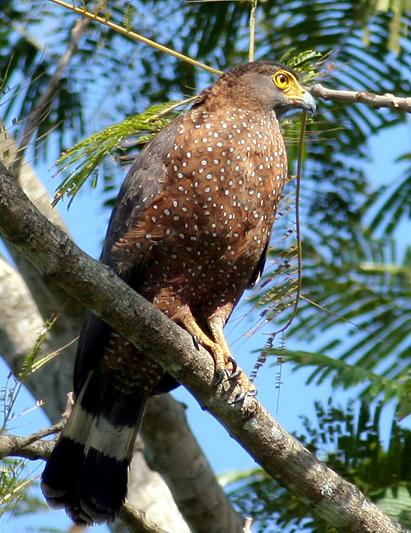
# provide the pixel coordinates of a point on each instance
(136, 36)
(253, 10)
(31, 447)
(396, 103)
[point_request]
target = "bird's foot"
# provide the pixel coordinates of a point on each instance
(247, 389)
(226, 368)
(243, 394)
(233, 374)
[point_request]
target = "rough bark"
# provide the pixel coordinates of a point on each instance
(49, 298)
(338, 502)
(13, 446)
(397, 103)
(143, 493)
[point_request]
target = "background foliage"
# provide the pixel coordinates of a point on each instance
(356, 261)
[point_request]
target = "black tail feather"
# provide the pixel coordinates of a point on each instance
(87, 470)
(103, 486)
(60, 476)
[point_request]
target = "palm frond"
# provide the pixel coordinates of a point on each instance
(357, 295)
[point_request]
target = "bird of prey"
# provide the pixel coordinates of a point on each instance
(189, 232)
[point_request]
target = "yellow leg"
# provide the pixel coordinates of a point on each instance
(225, 366)
(219, 353)
(216, 325)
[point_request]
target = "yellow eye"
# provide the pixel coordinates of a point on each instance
(282, 80)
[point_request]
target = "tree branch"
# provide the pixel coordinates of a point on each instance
(47, 297)
(33, 448)
(12, 446)
(137, 521)
(338, 502)
(362, 97)
(144, 496)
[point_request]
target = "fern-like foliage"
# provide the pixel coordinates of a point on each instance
(393, 203)
(356, 308)
(11, 485)
(82, 160)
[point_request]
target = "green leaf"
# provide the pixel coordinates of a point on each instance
(81, 161)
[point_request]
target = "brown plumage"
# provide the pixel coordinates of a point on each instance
(190, 232)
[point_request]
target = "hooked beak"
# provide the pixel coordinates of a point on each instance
(308, 103)
(297, 98)
(302, 99)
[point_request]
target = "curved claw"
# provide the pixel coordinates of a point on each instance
(220, 376)
(234, 375)
(241, 396)
(234, 363)
(235, 372)
(196, 342)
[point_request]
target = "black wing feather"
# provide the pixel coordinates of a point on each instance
(259, 268)
(145, 180)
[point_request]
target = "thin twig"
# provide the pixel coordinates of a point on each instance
(251, 50)
(32, 448)
(136, 36)
(396, 103)
(52, 355)
(137, 521)
(13, 446)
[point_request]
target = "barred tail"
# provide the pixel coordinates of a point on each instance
(87, 470)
